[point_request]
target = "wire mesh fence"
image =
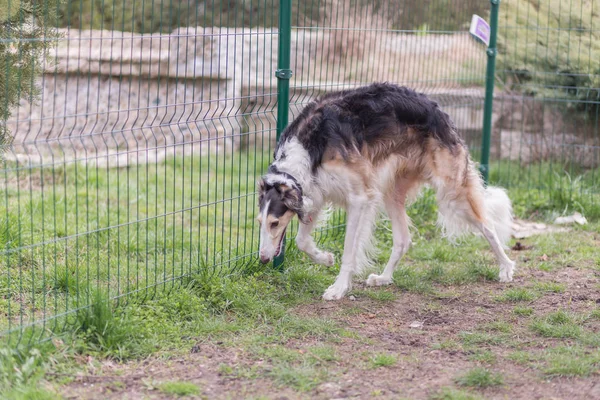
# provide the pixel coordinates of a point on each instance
(545, 139)
(135, 165)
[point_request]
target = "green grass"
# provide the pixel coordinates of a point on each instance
(515, 295)
(571, 361)
(483, 356)
(138, 237)
(550, 287)
(382, 360)
(522, 357)
(302, 378)
(122, 230)
(448, 393)
(381, 295)
(180, 389)
(559, 325)
(480, 338)
(480, 378)
(523, 311)
(546, 190)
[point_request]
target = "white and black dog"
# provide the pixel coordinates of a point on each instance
(369, 149)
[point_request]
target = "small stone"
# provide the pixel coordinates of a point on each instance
(416, 325)
(352, 298)
(330, 389)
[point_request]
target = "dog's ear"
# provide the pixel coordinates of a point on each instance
(292, 198)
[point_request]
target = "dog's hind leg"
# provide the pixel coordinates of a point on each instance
(395, 208)
(306, 243)
(464, 204)
(507, 266)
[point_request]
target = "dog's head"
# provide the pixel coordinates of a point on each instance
(278, 202)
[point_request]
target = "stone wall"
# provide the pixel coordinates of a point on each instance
(120, 98)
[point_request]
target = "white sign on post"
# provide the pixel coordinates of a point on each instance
(480, 29)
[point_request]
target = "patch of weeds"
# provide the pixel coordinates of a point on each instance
(480, 378)
(545, 266)
(408, 279)
(350, 311)
(30, 393)
(180, 389)
(323, 353)
(558, 324)
(225, 369)
(448, 393)
(476, 338)
(516, 295)
(478, 271)
(444, 253)
(549, 287)
(483, 356)
(571, 361)
(522, 357)
(250, 296)
(20, 372)
(64, 279)
(380, 295)
(303, 378)
(523, 311)
(447, 344)
(594, 315)
(498, 326)
(382, 360)
(436, 272)
(103, 329)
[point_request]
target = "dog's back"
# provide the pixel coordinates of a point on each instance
(376, 121)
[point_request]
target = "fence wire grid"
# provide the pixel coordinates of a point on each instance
(138, 129)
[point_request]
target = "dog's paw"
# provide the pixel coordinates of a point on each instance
(327, 259)
(335, 292)
(378, 280)
(506, 272)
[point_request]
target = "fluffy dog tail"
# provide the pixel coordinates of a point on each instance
(499, 212)
(463, 204)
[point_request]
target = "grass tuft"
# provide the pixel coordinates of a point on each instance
(558, 324)
(550, 287)
(180, 389)
(453, 394)
(480, 378)
(523, 311)
(484, 356)
(515, 295)
(381, 295)
(571, 361)
(113, 333)
(383, 360)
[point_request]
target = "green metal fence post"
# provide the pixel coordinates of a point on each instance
(489, 92)
(283, 74)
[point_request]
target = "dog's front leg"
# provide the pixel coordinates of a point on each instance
(343, 282)
(306, 243)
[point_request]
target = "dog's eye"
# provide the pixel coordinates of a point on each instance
(274, 224)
